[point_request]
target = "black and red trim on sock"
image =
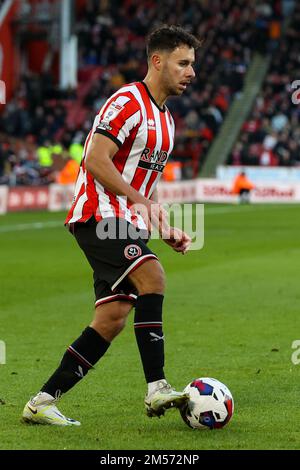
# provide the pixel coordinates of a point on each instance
(78, 359)
(149, 335)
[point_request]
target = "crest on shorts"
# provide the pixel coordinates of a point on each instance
(132, 251)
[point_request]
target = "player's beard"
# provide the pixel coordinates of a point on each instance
(169, 86)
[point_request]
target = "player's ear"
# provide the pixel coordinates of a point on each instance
(156, 61)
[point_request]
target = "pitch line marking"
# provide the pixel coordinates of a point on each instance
(33, 225)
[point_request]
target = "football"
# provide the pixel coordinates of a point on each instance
(210, 405)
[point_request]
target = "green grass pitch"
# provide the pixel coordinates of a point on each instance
(231, 312)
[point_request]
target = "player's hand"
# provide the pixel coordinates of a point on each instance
(178, 240)
(154, 215)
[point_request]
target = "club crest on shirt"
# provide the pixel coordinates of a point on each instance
(132, 251)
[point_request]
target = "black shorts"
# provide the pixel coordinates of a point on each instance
(112, 259)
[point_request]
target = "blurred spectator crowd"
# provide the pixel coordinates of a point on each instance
(271, 135)
(42, 128)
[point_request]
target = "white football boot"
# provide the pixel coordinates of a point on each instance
(42, 410)
(162, 398)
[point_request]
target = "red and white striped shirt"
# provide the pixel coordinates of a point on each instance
(144, 134)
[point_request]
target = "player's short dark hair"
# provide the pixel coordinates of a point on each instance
(167, 38)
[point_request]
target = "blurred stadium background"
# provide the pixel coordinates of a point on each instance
(59, 61)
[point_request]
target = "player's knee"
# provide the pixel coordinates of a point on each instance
(157, 285)
(117, 326)
(119, 318)
(154, 282)
(110, 319)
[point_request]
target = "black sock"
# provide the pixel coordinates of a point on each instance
(149, 335)
(79, 358)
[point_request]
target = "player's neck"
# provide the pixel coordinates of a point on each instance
(157, 93)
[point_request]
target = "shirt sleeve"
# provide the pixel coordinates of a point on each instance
(117, 118)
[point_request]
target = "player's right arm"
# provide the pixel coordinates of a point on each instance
(115, 124)
(172, 236)
(99, 164)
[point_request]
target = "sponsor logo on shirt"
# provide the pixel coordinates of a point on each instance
(104, 126)
(154, 161)
(151, 124)
(112, 112)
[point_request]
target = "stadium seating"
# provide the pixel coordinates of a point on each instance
(111, 51)
(271, 135)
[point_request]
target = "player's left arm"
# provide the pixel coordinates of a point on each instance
(179, 240)
(172, 236)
